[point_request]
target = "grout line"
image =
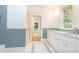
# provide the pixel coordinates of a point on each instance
(52, 46)
(47, 48)
(32, 51)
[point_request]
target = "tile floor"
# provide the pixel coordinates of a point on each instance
(36, 48)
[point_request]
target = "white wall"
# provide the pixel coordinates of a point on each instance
(75, 20)
(16, 16)
(51, 18)
(48, 15)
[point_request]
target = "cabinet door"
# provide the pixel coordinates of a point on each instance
(54, 41)
(51, 37)
(57, 45)
(77, 45)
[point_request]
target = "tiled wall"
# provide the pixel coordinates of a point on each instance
(3, 22)
(44, 33)
(11, 37)
(15, 38)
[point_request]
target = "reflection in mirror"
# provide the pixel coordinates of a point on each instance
(36, 25)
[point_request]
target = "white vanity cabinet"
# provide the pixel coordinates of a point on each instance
(77, 45)
(62, 43)
(52, 39)
(67, 38)
(67, 43)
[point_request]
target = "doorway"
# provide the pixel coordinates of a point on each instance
(36, 28)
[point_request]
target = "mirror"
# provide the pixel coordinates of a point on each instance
(36, 25)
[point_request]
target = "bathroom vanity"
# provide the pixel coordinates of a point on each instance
(64, 42)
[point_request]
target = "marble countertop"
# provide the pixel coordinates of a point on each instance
(76, 36)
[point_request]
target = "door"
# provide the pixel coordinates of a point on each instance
(36, 28)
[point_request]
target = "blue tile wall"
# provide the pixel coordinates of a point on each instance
(3, 23)
(45, 33)
(10, 37)
(15, 38)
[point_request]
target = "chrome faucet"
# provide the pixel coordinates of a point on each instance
(75, 30)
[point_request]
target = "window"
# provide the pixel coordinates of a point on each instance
(67, 16)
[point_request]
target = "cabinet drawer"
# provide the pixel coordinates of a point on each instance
(56, 45)
(53, 42)
(62, 46)
(68, 48)
(61, 43)
(66, 38)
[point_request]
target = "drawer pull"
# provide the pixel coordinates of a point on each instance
(56, 39)
(66, 45)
